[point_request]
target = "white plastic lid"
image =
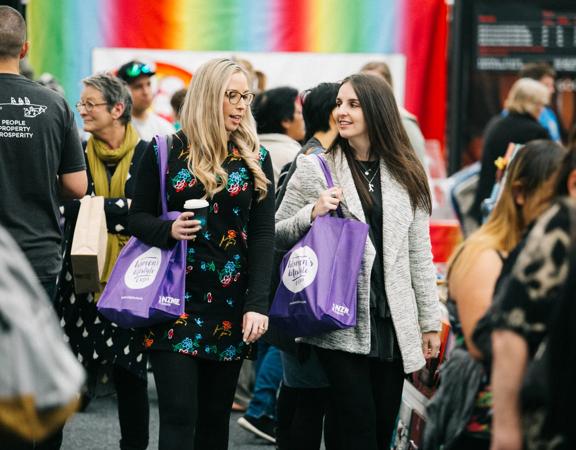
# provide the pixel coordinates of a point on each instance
(195, 203)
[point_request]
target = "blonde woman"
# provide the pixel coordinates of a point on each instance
(216, 155)
(478, 263)
(518, 124)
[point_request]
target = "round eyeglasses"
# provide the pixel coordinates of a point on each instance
(88, 106)
(235, 96)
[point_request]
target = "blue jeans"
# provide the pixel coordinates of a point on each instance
(268, 378)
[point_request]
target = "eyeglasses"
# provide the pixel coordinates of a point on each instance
(88, 106)
(235, 96)
(137, 69)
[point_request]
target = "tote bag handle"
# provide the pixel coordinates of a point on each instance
(329, 181)
(164, 143)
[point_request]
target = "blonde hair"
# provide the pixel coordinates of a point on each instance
(531, 172)
(527, 96)
(257, 79)
(202, 121)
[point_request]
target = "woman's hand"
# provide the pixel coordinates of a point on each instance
(431, 344)
(184, 228)
(254, 325)
(328, 201)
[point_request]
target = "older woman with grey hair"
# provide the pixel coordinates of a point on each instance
(107, 352)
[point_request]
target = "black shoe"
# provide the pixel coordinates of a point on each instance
(263, 427)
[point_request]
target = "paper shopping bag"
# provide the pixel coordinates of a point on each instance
(88, 253)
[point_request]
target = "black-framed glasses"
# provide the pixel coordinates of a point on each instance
(235, 96)
(88, 106)
(137, 69)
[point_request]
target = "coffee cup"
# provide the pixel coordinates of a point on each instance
(200, 209)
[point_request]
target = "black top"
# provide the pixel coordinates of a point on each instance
(501, 131)
(229, 264)
(383, 344)
(38, 141)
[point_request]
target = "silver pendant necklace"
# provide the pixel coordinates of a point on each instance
(365, 173)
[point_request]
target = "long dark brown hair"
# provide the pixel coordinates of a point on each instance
(388, 141)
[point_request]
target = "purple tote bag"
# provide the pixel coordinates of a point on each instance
(319, 275)
(147, 283)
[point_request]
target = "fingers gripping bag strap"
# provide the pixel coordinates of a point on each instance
(328, 176)
(325, 170)
(163, 143)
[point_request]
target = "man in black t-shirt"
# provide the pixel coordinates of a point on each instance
(41, 158)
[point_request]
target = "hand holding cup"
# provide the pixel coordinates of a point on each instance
(191, 221)
(185, 228)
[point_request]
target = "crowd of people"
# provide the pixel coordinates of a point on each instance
(256, 156)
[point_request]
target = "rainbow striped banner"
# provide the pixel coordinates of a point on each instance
(64, 32)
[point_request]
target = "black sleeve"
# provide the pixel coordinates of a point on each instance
(72, 156)
(491, 149)
(542, 133)
(261, 246)
(144, 220)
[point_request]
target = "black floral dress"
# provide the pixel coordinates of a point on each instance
(229, 263)
(97, 342)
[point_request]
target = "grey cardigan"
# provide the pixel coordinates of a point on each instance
(409, 274)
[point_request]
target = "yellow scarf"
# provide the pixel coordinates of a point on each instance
(98, 155)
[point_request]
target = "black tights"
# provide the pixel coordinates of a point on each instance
(194, 400)
(133, 409)
(302, 413)
(365, 396)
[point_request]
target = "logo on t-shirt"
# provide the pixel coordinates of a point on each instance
(15, 127)
(301, 269)
(143, 270)
(29, 109)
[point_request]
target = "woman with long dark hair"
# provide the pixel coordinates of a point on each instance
(380, 181)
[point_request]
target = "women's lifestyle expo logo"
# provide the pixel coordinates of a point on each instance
(301, 269)
(143, 270)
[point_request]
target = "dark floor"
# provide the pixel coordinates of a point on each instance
(97, 428)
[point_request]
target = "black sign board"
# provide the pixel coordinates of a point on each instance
(491, 40)
(511, 34)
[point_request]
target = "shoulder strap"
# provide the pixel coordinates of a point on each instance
(164, 144)
(329, 181)
(325, 170)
